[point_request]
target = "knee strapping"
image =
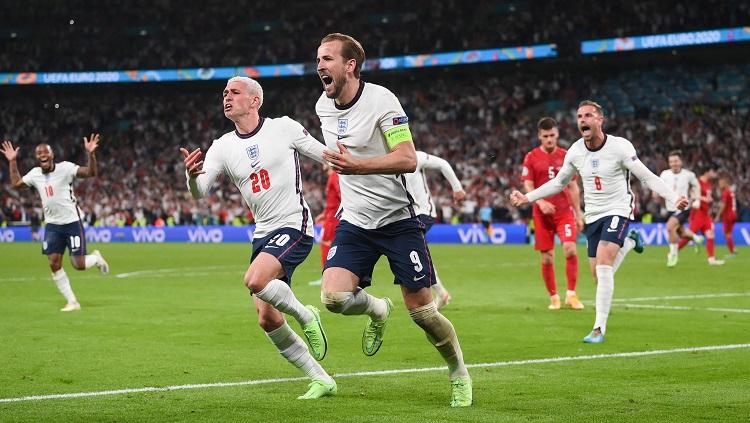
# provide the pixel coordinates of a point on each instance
(439, 330)
(336, 301)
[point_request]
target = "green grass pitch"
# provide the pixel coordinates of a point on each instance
(176, 315)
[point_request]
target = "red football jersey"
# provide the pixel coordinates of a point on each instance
(706, 189)
(539, 167)
(730, 204)
(333, 196)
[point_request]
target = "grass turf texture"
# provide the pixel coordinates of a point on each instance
(182, 316)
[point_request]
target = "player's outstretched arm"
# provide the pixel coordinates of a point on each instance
(193, 161)
(401, 159)
(91, 168)
(545, 206)
(11, 154)
(654, 182)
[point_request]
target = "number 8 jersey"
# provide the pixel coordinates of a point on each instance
(605, 174)
(264, 166)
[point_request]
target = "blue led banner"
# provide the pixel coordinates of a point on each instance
(653, 234)
(678, 39)
(276, 71)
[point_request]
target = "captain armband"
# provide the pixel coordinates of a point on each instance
(397, 135)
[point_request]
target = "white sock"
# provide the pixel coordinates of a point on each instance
(673, 248)
(627, 245)
(363, 303)
(294, 349)
(605, 288)
(441, 333)
(568, 293)
(63, 285)
(278, 294)
(438, 286)
(91, 261)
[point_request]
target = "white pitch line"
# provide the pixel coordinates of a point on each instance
(685, 297)
(667, 307)
(375, 373)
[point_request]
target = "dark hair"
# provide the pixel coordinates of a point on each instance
(707, 167)
(677, 153)
(596, 105)
(546, 123)
(350, 49)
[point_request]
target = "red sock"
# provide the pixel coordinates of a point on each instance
(324, 253)
(571, 270)
(683, 243)
(710, 247)
(730, 242)
(548, 274)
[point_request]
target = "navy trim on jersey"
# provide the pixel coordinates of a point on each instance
(630, 192)
(596, 149)
(83, 231)
(298, 187)
(253, 132)
(408, 196)
(354, 100)
(427, 191)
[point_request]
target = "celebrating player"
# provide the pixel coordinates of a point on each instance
(727, 212)
(261, 157)
(64, 228)
(560, 214)
(416, 183)
(368, 130)
(604, 163)
(700, 219)
(684, 183)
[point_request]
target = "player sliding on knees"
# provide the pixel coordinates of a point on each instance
(64, 228)
(261, 157)
(604, 163)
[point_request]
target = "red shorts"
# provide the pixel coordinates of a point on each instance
(329, 230)
(729, 225)
(700, 222)
(546, 226)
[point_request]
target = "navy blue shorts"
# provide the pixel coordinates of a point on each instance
(608, 228)
(403, 243)
(288, 245)
(59, 237)
(680, 215)
(427, 221)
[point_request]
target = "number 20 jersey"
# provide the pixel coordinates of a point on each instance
(264, 166)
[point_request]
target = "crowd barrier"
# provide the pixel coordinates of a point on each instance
(653, 234)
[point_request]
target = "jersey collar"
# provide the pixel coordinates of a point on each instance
(354, 100)
(253, 132)
(596, 149)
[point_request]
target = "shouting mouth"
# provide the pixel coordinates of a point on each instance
(327, 80)
(585, 130)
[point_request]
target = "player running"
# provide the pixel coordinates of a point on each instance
(64, 227)
(261, 157)
(604, 163)
(684, 183)
(424, 207)
(560, 214)
(727, 212)
(368, 130)
(700, 218)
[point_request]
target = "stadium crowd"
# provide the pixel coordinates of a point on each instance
(482, 125)
(68, 36)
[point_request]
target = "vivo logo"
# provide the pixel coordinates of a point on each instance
(7, 235)
(98, 235)
(477, 235)
(202, 235)
(148, 235)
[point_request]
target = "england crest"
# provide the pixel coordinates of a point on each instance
(253, 152)
(343, 126)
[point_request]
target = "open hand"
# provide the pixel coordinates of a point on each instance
(8, 150)
(344, 162)
(91, 143)
(193, 162)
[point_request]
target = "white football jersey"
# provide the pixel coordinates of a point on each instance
(684, 183)
(368, 201)
(417, 182)
(605, 176)
(56, 190)
(264, 166)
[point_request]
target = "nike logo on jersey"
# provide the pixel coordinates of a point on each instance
(419, 278)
